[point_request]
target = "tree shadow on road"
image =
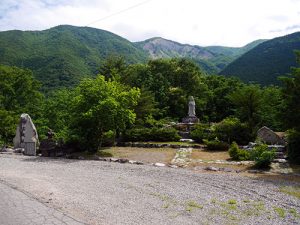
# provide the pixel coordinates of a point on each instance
(59, 160)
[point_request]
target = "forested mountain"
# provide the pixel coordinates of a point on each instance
(264, 63)
(62, 55)
(211, 59)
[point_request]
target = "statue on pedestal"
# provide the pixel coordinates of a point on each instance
(191, 118)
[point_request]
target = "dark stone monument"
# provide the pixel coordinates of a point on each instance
(49, 147)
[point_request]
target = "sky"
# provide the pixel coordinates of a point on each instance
(197, 22)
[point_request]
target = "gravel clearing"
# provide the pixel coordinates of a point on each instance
(111, 193)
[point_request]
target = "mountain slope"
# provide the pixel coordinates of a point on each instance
(264, 63)
(211, 59)
(62, 55)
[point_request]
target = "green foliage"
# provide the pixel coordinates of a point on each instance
(113, 66)
(291, 110)
(170, 81)
(18, 94)
(146, 107)
(231, 129)
(248, 102)
(215, 145)
(291, 93)
(101, 106)
(151, 134)
(200, 132)
(264, 63)
(293, 146)
(238, 154)
(7, 126)
(262, 156)
(108, 138)
(57, 113)
(271, 106)
(218, 107)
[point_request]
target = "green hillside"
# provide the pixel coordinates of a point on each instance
(60, 56)
(264, 63)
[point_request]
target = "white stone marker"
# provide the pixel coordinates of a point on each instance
(26, 135)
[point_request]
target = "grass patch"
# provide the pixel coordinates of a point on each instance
(291, 190)
(104, 153)
(191, 205)
(229, 206)
(294, 213)
(259, 206)
(232, 202)
(210, 155)
(173, 143)
(280, 212)
(246, 201)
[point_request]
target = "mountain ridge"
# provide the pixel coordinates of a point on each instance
(215, 57)
(267, 61)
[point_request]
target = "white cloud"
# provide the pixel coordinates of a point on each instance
(202, 22)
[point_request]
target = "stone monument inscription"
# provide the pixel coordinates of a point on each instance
(26, 135)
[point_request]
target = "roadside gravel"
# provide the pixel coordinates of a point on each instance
(111, 193)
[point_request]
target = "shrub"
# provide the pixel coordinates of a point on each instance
(200, 132)
(262, 156)
(294, 146)
(238, 154)
(216, 145)
(151, 134)
(231, 129)
(108, 138)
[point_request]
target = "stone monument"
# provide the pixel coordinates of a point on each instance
(26, 135)
(191, 118)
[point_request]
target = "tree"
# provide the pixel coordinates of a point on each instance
(113, 67)
(247, 101)
(146, 106)
(291, 96)
(218, 107)
(291, 111)
(19, 93)
(57, 113)
(272, 102)
(171, 81)
(101, 106)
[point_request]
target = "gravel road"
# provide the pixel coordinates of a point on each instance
(97, 192)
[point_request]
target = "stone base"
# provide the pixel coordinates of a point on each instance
(190, 119)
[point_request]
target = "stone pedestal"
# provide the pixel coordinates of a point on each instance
(190, 119)
(49, 148)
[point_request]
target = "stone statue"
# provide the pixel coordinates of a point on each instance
(192, 107)
(26, 135)
(191, 118)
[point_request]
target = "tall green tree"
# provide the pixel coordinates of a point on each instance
(218, 107)
(101, 106)
(272, 103)
(291, 95)
(291, 111)
(247, 101)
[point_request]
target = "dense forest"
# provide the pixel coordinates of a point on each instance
(127, 100)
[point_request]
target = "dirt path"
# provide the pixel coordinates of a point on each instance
(111, 193)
